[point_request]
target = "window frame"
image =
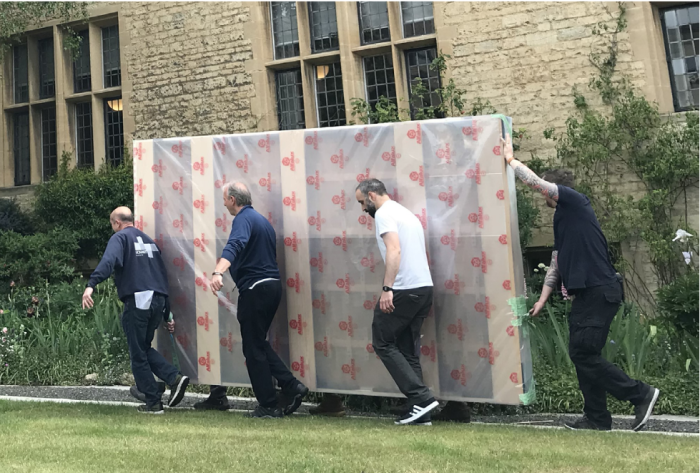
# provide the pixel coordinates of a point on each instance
(15, 69)
(340, 105)
(78, 155)
(366, 86)
(322, 39)
(44, 64)
(403, 23)
(114, 27)
(86, 40)
(295, 24)
(111, 161)
(15, 147)
(362, 29)
(408, 77)
(669, 59)
(52, 168)
(278, 98)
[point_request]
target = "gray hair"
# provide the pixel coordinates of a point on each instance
(371, 185)
(240, 192)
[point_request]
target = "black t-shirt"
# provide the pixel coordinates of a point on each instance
(583, 258)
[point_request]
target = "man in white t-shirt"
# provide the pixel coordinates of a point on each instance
(407, 296)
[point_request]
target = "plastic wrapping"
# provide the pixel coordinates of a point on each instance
(449, 172)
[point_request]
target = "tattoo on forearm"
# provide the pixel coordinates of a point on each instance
(535, 182)
(552, 277)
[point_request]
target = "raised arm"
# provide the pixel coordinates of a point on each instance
(531, 179)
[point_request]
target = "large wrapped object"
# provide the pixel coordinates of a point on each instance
(449, 172)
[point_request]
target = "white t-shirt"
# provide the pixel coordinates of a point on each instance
(413, 270)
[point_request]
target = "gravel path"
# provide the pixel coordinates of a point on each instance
(120, 394)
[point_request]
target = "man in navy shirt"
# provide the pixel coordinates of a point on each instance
(582, 262)
(250, 255)
(142, 285)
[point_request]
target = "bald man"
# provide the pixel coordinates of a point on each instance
(142, 285)
(250, 255)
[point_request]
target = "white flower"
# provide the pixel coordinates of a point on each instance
(537, 270)
(21, 327)
(541, 265)
(4, 330)
(682, 235)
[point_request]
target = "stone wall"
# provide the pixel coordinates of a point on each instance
(187, 63)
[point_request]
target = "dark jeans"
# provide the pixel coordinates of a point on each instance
(139, 327)
(592, 312)
(394, 338)
(256, 309)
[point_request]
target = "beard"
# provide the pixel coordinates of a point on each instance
(371, 209)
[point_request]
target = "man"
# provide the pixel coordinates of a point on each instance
(142, 285)
(250, 255)
(407, 296)
(582, 262)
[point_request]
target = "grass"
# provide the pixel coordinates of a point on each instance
(39, 437)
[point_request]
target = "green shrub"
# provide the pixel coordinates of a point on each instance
(81, 200)
(678, 302)
(30, 259)
(13, 219)
(61, 343)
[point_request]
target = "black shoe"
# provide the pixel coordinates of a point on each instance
(177, 390)
(261, 412)
(212, 404)
(454, 411)
(417, 411)
(643, 411)
(424, 421)
(154, 409)
(294, 397)
(134, 391)
(584, 423)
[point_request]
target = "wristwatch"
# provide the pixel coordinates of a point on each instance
(216, 273)
(387, 289)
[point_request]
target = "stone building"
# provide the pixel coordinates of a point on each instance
(156, 70)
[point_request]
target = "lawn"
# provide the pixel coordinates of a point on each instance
(43, 437)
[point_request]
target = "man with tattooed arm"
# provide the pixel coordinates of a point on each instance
(582, 263)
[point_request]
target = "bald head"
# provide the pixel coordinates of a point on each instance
(122, 214)
(120, 218)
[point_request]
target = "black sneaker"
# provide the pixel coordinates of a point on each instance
(211, 404)
(417, 411)
(177, 390)
(424, 421)
(134, 391)
(643, 411)
(294, 397)
(584, 423)
(154, 409)
(454, 411)
(261, 412)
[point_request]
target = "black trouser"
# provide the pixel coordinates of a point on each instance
(256, 309)
(139, 327)
(592, 312)
(394, 338)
